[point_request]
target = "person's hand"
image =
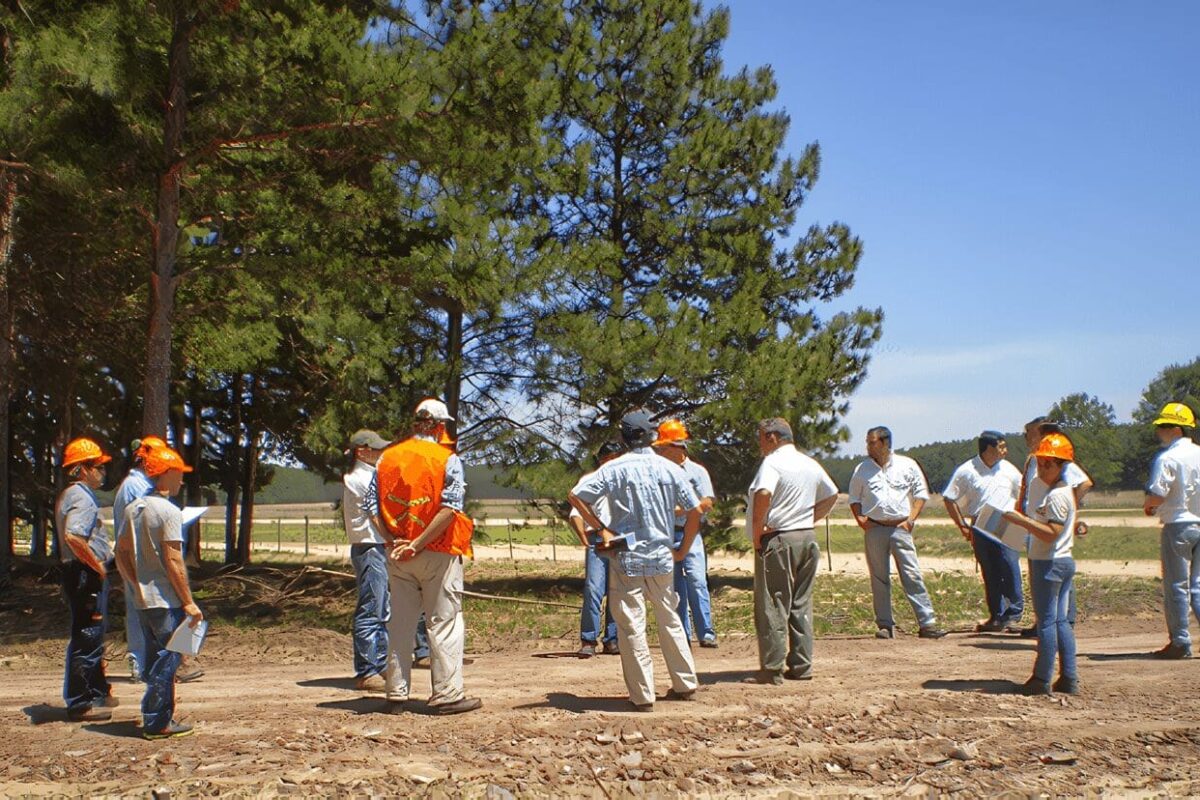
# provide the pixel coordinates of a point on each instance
(195, 615)
(403, 551)
(678, 554)
(606, 539)
(907, 525)
(965, 530)
(1081, 528)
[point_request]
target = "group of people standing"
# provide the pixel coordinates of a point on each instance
(639, 515)
(149, 559)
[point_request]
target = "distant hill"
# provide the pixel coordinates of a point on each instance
(296, 485)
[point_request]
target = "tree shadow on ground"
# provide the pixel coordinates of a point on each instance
(1006, 646)
(565, 701)
(978, 686)
(327, 683)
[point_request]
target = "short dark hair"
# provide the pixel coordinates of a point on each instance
(1036, 421)
(989, 439)
(881, 433)
(777, 426)
(608, 450)
(1050, 426)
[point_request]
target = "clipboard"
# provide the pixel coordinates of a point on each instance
(191, 514)
(188, 640)
(990, 523)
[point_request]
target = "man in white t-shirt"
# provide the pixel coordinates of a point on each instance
(788, 495)
(1173, 492)
(990, 479)
(150, 559)
(887, 493)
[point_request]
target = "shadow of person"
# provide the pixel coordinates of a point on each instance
(359, 705)
(978, 686)
(44, 712)
(564, 701)
(725, 676)
(328, 683)
(128, 729)
(1118, 656)
(563, 654)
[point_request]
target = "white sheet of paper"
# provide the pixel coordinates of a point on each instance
(188, 640)
(193, 513)
(991, 523)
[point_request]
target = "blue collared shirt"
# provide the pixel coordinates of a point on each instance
(701, 482)
(135, 485)
(643, 489)
(78, 514)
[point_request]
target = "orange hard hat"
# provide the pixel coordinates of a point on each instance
(671, 431)
(158, 460)
(81, 450)
(148, 443)
(1055, 445)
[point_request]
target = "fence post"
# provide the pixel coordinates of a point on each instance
(306, 535)
(278, 535)
(554, 545)
(510, 550)
(828, 549)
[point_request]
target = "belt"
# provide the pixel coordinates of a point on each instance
(882, 524)
(766, 537)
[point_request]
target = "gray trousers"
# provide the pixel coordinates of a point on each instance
(784, 571)
(884, 541)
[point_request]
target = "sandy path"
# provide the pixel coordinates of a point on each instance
(908, 715)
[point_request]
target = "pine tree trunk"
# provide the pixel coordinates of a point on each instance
(233, 471)
(249, 477)
(165, 238)
(8, 218)
(454, 345)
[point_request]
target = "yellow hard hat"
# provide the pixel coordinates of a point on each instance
(1176, 414)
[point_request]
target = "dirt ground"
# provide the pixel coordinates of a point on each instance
(276, 714)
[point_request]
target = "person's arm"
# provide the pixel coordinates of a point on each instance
(1024, 486)
(575, 521)
(79, 546)
(590, 519)
(1158, 487)
(127, 567)
(957, 518)
(1081, 491)
(823, 507)
(690, 528)
(856, 510)
(762, 505)
(1046, 531)
(177, 575)
(920, 495)
(917, 506)
(403, 551)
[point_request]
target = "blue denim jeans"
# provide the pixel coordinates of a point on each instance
(134, 641)
(1050, 582)
(159, 666)
(372, 610)
(595, 590)
(1180, 549)
(1001, 568)
(691, 584)
(86, 593)
(885, 541)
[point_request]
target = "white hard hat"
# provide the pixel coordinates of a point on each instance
(433, 409)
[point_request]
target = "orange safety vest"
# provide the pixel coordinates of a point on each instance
(411, 476)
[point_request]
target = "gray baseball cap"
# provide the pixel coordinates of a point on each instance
(367, 438)
(776, 425)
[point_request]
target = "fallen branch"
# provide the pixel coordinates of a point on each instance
(482, 596)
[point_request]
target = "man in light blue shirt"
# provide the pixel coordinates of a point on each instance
(136, 485)
(643, 490)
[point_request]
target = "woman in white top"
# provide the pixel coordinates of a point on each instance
(1051, 568)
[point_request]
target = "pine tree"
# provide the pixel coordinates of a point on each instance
(672, 202)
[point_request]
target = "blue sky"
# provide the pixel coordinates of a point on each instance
(1025, 177)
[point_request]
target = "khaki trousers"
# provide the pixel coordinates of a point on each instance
(627, 597)
(784, 571)
(430, 582)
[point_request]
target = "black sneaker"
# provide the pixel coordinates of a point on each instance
(1034, 686)
(931, 632)
(175, 730)
(89, 714)
(885, 633)
(674, 695)
(711, 643)
(587, 650)
(1029, 633)
(1173, 652)
(990, 626)
(797, 675)
(1065, 685)
(765, 677)
(612, 648)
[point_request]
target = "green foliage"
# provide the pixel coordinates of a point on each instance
(1091, 425)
